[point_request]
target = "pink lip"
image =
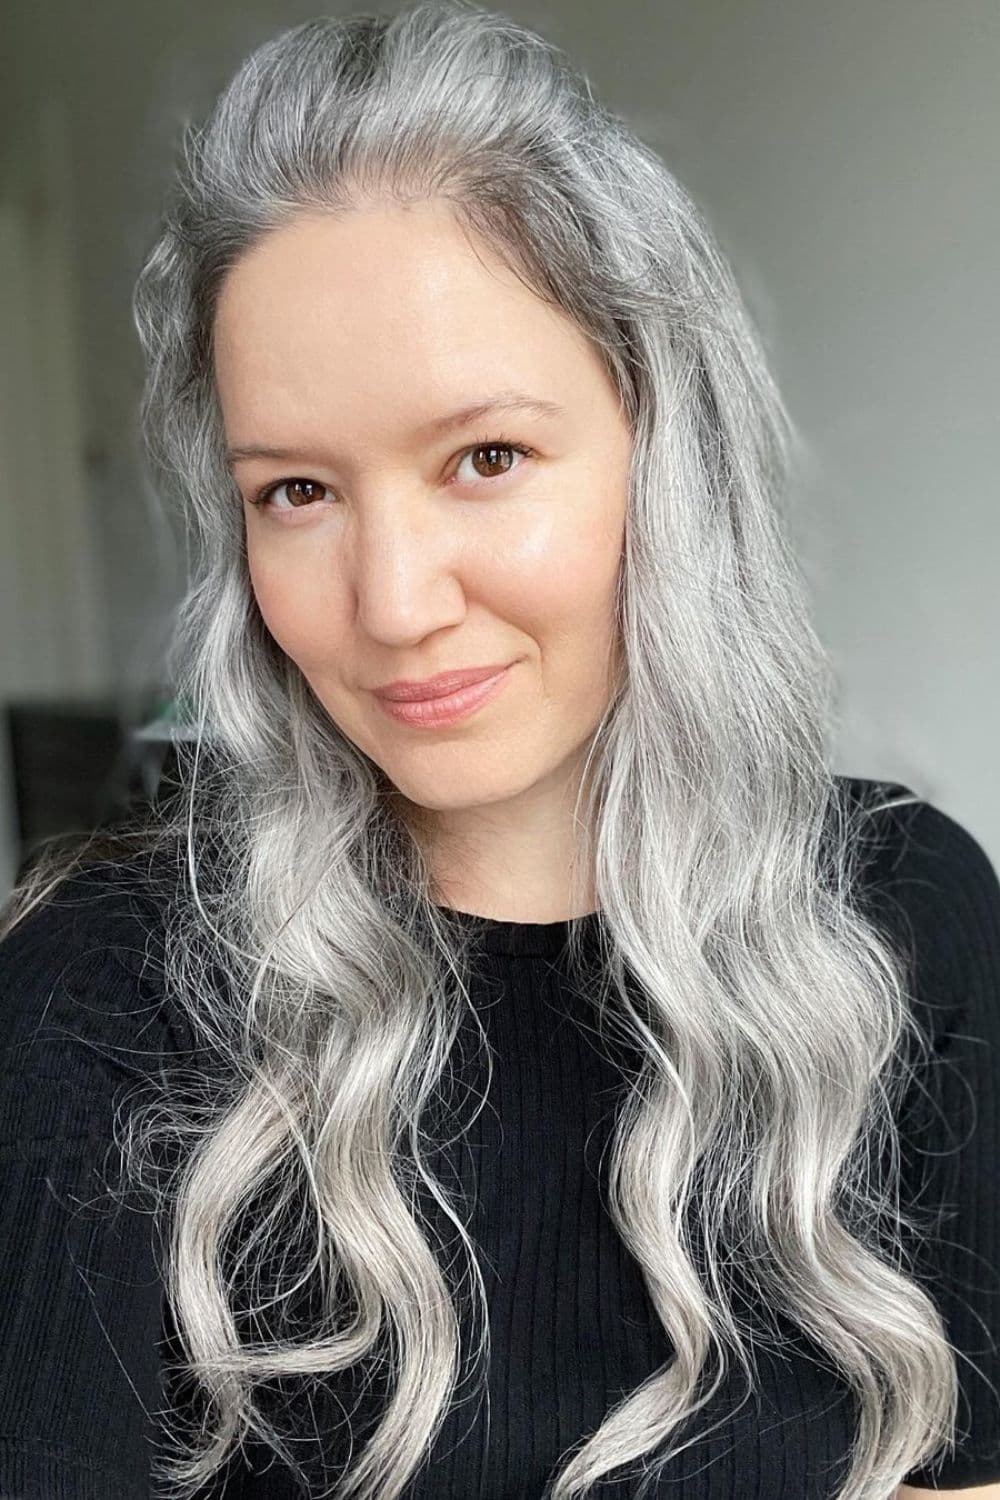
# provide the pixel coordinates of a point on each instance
(409, 691)
(430, 713)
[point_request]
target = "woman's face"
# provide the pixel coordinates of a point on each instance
(398, 544)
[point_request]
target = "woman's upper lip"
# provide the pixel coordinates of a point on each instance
(407, 690)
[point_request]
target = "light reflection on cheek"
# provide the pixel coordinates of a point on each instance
(281, 607)
(301, 615)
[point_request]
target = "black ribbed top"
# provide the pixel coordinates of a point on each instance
(522, 939)
(85, 1326)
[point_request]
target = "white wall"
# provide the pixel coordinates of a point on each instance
(846, 156)
(53, 620)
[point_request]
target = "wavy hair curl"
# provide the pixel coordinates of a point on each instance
(305, 943)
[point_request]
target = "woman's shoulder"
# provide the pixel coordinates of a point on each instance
(82, 963)
(81, 894)
(928, 879)
(910, 846)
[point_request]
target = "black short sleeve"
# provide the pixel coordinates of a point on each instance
(79, 1288)
(942, 895)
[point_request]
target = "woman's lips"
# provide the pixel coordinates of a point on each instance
(440, 685)
(430, 713)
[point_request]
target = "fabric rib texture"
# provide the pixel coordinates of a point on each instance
(86, 1328)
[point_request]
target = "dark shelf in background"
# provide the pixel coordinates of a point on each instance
(76, 766)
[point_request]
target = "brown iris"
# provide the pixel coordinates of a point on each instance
(493, 449)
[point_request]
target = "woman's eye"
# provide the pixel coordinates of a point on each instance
(489, 456)
(302, 493)
(490, 460)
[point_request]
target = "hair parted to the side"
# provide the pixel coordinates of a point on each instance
(304, 942)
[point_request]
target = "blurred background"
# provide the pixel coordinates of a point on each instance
(846, 157)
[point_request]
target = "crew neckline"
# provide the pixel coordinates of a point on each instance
(496, 935)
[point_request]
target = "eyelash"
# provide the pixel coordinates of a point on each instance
(263, 495)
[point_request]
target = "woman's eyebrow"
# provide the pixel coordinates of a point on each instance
(506, 401)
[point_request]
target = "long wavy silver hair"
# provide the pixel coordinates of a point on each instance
(305, 942)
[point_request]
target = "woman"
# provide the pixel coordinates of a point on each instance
(449, 374)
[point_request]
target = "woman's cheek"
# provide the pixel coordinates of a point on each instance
(284, 605)
(266, 584)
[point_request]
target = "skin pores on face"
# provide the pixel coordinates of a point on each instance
(390, 551)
